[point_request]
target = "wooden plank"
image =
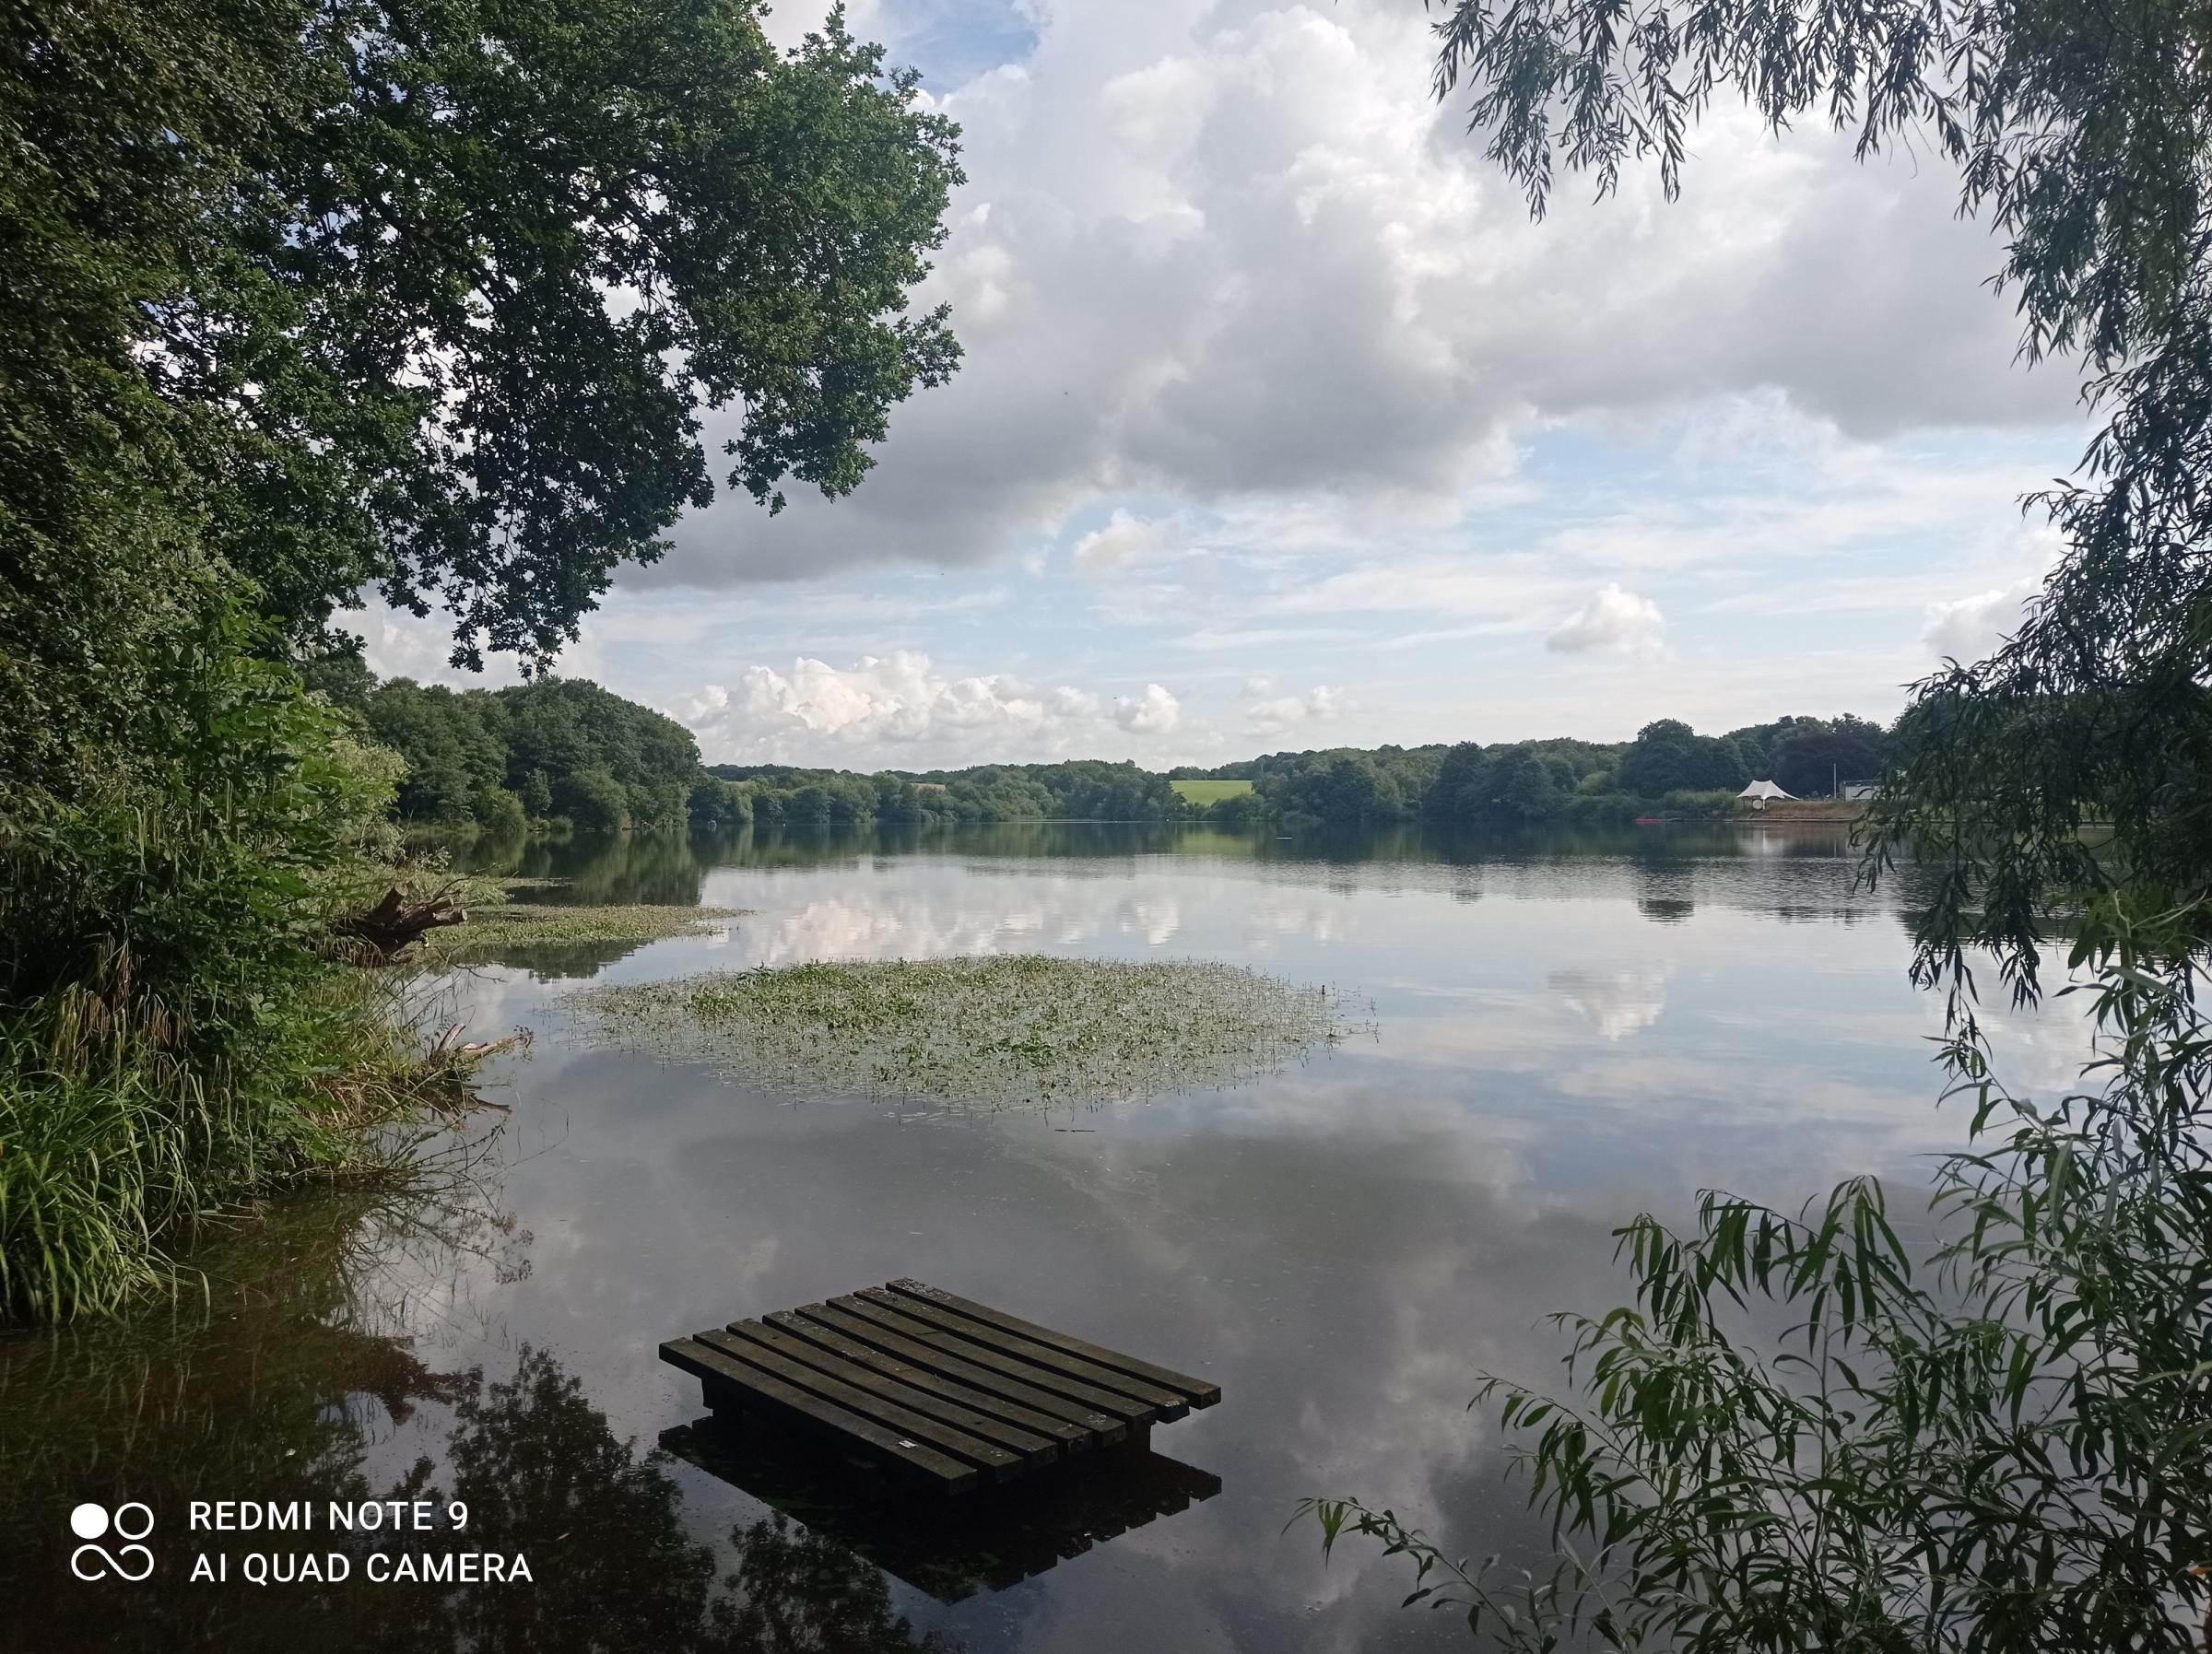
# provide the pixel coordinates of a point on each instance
(711, 1368)
(995, 1461)
(1200, 1392)
(865, 1375)
(869, 1325)
(888, 1311)
(1165, 1404)
(1073, 1437)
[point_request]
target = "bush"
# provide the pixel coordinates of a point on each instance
(717, 805)
(594, 801)
(1717, 803)
(1236, 812)
(500, 813)
(171, 1038)
(1612, 809)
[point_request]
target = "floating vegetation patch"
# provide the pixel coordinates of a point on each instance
(503, 929)
(990, 1032)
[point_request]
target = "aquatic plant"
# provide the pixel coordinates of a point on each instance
(992, 1032)
(494, 932)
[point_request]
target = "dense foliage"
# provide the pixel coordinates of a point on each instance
(170, 1038)
(429, 298)
(1668, 765)
(567, 751)
(305, 298)
(554, 748)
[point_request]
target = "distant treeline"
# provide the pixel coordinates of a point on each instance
(556, 750)
(565, 751)
(1082, 789)
(1668, 764)
(562, 751)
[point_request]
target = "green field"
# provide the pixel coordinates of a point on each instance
(1206, 792)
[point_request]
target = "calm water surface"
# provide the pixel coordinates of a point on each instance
(1565, 1031)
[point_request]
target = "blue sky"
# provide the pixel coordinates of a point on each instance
(1281, 426)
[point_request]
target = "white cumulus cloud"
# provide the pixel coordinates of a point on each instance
(1232, 250)
(1613, 619)
(1124, 540)
(899, 709)
(1317, 705)
(1154, 712)
(1968, 628)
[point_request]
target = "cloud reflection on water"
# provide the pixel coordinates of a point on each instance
(1617, 1003)
(1341, 1246)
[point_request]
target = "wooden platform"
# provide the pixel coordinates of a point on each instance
(952, 1392)
(949, 1548)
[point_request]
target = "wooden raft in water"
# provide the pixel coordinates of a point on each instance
(952, 1390)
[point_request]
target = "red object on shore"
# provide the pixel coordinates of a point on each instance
(1650, 821)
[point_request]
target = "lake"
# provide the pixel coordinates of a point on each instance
(1556, 1032)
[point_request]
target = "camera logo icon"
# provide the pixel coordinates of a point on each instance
(131, 1521)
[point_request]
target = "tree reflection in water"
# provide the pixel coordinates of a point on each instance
(304, 1386)
(614, 1566)
(802, 1592)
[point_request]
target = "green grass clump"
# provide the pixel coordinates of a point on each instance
(990, 1032)
(117, 1141)
(494, 932)
(1208, 792)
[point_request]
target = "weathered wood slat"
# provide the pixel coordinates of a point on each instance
(865, 1375)
(881, 1331)
(714, 1369)
(1073, 1437)
(1167, 1404)
(1199, 1392)
(994, 1462)
(948, 1389)
(893, 1315)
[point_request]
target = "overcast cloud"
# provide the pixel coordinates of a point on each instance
(1268, 373)
(1225, 250)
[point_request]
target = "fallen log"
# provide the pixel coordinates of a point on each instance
(398, 921)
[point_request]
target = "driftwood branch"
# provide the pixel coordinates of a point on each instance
(455, 1061)
(398, 921)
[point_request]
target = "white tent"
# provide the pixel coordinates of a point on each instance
(1759, 792)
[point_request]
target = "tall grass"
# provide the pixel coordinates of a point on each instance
(115, 1147)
